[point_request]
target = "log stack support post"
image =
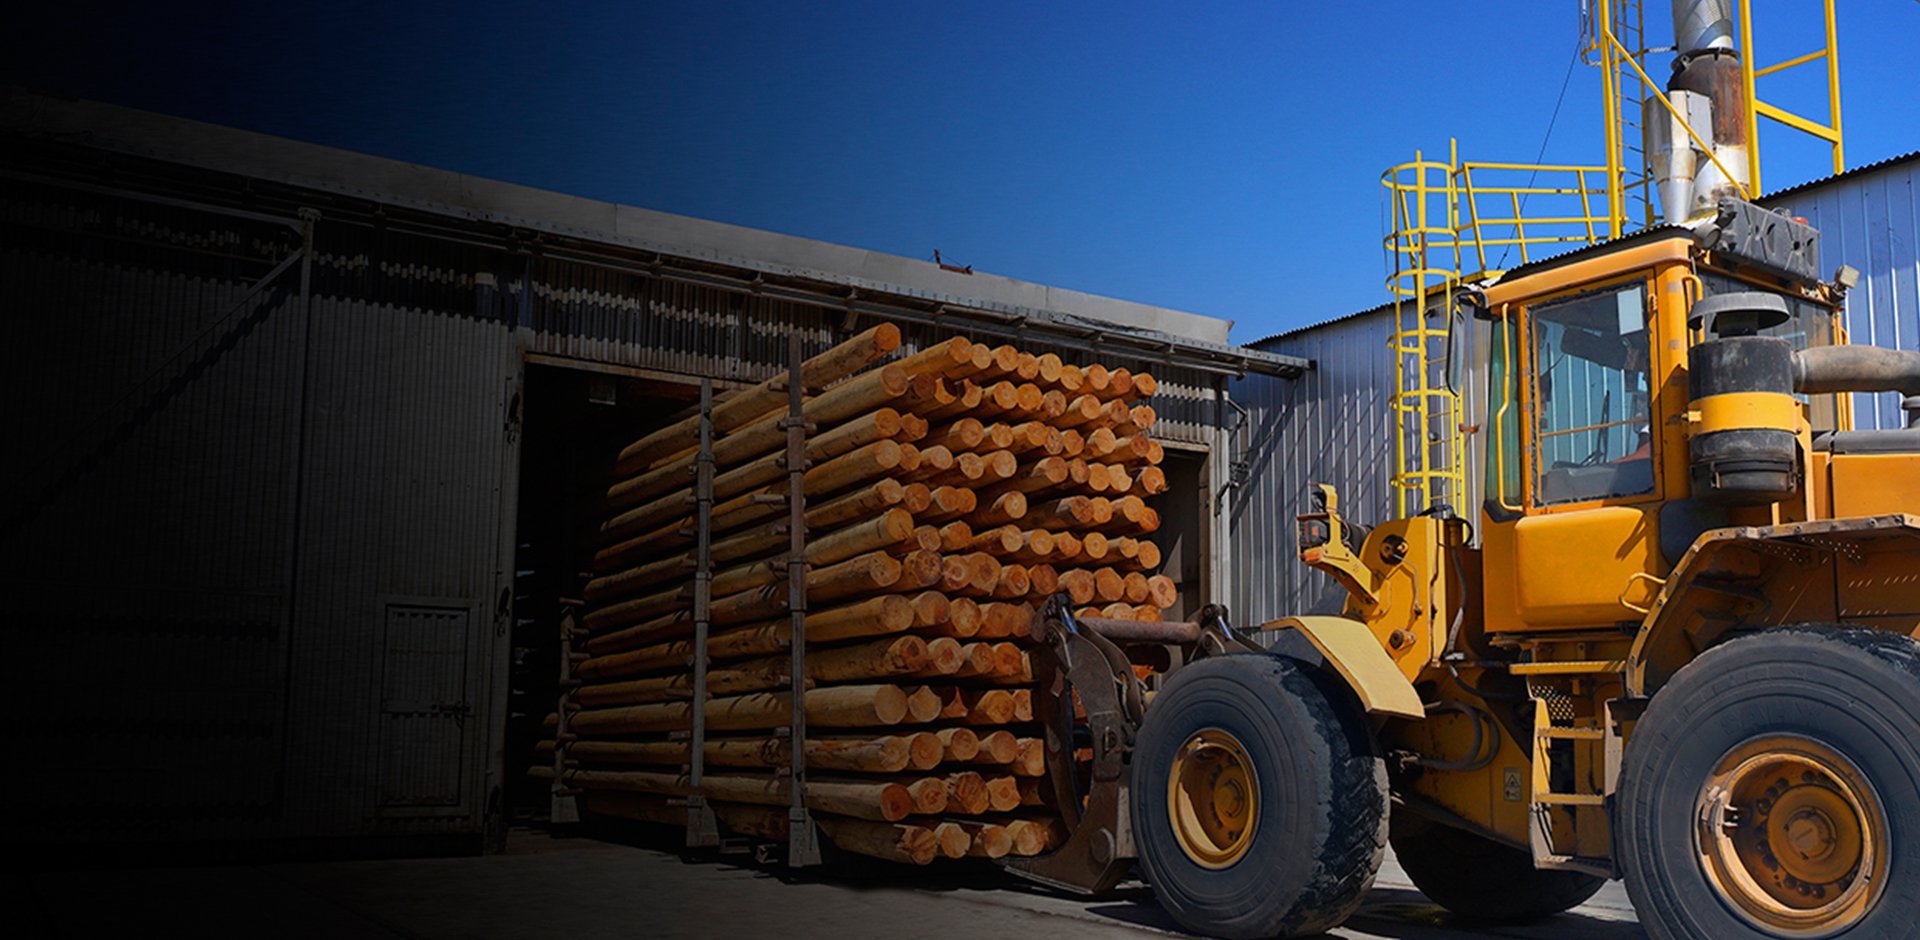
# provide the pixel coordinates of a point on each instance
(803, 838)
(563, 807)
(703, 830)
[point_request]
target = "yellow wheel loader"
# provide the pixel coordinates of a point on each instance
(1674, 643)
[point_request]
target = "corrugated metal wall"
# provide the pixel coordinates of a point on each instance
(1871, 220)
(1330, 425)
(270, 544)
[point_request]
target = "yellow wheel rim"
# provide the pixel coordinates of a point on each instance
(1213, 798)
(1793, 837)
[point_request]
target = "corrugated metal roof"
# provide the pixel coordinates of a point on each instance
(1844, 175)
(1544, 263)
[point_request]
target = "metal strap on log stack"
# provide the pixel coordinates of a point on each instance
(811, 607)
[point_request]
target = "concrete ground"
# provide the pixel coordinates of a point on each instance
(578, 889)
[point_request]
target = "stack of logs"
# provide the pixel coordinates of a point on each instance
(948, 492)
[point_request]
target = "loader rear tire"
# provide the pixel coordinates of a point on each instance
(1767, 791)
(1476, 877)
(1290, 845)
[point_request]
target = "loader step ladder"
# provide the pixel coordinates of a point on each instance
(1575, 761)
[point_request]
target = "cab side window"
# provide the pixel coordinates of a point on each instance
(1591, 359)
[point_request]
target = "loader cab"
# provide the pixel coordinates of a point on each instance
(1585, 467)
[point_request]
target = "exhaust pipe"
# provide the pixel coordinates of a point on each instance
(1861, 369)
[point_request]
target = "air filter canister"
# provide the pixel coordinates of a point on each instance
(1743, 448)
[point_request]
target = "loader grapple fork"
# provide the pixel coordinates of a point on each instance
(1099, 849)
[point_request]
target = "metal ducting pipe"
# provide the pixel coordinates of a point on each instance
(1861, 369)
(1708, 68)
(1702, 24)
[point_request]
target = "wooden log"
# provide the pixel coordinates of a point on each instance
(1066, 548)
(976, 660)
(1072, 443)
(930, 608)
(929, 794)
(958, 745)
(1023, 705)
(1032, 759)
(989, 839)
(1097, 380)
(1072, 378)
(764, 437)
(1140, 418)
(1008, 659)
(956, 537)
(1036, 476)
(1053, 404)
(939, 358)
(1118, 479)
(997, 747)
(1001, 619)
(909, 845)
(891, 528)
(1035, 546)
(1133, 450)
(944, 657)
(1026, 366)
(1097, 478)
(965, 399)
(925, 538)
(741, 408)
(1161, 591)
(1036, 836)
(758, 822)
(1044, 581)
(933, 461)
(1147, 558)
(963, 436)
(875, 800)
(889, 753)
(1003, 792)
(1047, 369)
(1078, 585)
(997, 437)
(1144, 385)
(984, 707)
(909, 461)
(965, 472)
(997, 467)
(1121, 386)
(1005, 508)
(1021, 671)
(872, 573)
(1070, 511)
(1012, 584)
(877, 659)
(999, 540)
(1100, 510)
(1032, 438)
(912, 427)
(1080, 411)
(1094, 548)
(967, 793)
(849, 706)
(998, 399)
(925, 750)
(953, 841)
(1136, 589)
(859, 465)
(1152, 481)
(923, 704)
(983, 572)
(950, 503)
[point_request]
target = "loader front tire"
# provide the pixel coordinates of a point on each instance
(1259, 798)
(1768, 791)
(1476, 877)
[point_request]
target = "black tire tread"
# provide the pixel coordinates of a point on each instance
(1356, 801)
(1897, 651)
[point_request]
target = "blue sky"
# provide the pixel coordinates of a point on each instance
(1222, 158)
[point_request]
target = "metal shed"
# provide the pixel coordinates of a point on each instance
(1332, 425)
(300, 435)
